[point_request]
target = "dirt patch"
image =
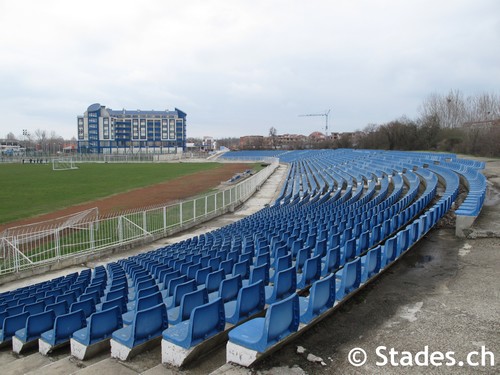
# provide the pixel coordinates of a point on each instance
(163, 193)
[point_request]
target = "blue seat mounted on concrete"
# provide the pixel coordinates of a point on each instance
(282, 319)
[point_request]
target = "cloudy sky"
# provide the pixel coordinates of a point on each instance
(239, 67)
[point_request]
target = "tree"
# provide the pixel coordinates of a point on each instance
(273, 137)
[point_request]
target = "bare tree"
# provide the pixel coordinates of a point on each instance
(273, 137)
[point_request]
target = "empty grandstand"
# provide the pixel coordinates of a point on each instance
(341, 218)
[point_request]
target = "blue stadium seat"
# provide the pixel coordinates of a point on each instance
(35, 307)
(59, 308)
(100, 326)
(284, 285)
(10, 325)
(188, 303)
(120, 302)
(370, 263)
(250, 300)
(214, 280)
(282, 319)
(205, 321)
(180, 290)
(228, 289)
(142, 304)
(321, 298)
(348, 278)
(147, 325)
(88, 307)
(60, 334)
(36, 324)
(310, 272)
(257, 273)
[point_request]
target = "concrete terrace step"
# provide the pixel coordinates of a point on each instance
(25, 364)
(66, 365)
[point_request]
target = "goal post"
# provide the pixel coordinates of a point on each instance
(63, 164)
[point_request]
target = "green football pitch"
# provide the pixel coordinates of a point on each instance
(27, 190)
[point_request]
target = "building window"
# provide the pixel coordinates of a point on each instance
(171, 129)
(143, 129)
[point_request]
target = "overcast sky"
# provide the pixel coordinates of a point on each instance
(240, 67)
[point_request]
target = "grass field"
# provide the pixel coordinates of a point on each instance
(28, 190)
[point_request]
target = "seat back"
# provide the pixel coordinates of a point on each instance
(147, 291)
(38, 323)
(312, 270)
(192, 300)
(352, 275)
(206, 321)
(95, 295)
(120, 302)
(263, 259)
(302, 255)
(282, 263)
(260, 273)
(34, 308)
(229, 288)
(149, 301)
(13, 323)
(282, 318)
(181, 290)
(150, 322)
(120, 292)
(285, 283)
(201, 275)
(88, 306)
(350, 250)
(146, 283)
(192, 269)
(214, 280)
(372, 263)
(251, 299)
(66, 324)
(59, 308)
(69, 297)
(320, 248)
(322, 295)
(172, 284)
(169, 276)
(242, 268)
(103, 323)
(227, 266)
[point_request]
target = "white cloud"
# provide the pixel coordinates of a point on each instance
(239, 67)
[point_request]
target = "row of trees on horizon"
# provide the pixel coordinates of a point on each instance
(448, 123)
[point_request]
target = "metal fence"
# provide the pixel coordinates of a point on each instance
(35, 245)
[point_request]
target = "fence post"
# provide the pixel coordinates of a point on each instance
(194, 210)
(180, 214)
(206, 205)
(164, 219)
(144, 221)
(58, 244)
(92, 241)
(16, 255)
(120, 228)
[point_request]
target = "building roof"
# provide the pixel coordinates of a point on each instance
(136, 112)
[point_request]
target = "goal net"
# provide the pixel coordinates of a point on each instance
(63, 164)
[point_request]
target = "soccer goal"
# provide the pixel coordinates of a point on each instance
(63, 164)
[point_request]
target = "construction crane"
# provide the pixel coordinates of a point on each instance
(320, 114)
